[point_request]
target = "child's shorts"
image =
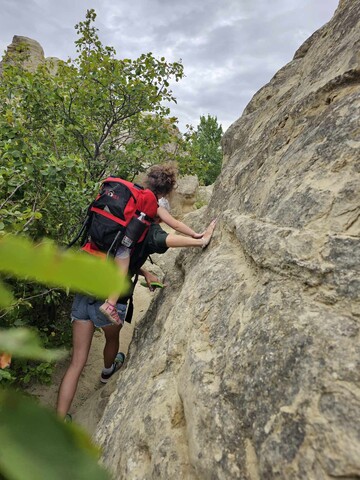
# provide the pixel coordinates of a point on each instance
(87, 308)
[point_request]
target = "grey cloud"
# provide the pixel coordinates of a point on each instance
(229, 49)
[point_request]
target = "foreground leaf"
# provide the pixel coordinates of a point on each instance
(35, 444)
(6, 297)
(25, 343)
(48, 264)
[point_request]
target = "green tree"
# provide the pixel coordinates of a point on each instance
(61, 133)
(204, 145)
(62, 128)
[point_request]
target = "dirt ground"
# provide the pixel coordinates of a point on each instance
(90, 379)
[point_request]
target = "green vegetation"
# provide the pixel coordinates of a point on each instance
(37, 445)
(62, 129)
(204, 144)
(34, 442)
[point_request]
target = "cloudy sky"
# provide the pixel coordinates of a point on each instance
(229, 48)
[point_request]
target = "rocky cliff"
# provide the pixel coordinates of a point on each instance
(248, 364)
(33, 51)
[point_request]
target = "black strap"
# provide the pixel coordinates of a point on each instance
(82, 233)
(130, 308)
(147, 218)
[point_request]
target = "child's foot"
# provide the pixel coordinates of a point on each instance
(110, 312)
(208, 234)
(118, 362)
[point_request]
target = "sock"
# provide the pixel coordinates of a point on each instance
(106, 371)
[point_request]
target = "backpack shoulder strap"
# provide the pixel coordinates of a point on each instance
(147, 203)
(130, 308)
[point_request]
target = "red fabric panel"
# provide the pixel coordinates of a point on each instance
(130, 210)
(93, 250)
(147, 203)
(108, 215)
(120, 180)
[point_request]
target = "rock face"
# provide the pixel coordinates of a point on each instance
(184, 197)
(35, 53)
(247, 365)
(204, 194)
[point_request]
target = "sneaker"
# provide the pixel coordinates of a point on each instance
(111, 313)
(118, 362)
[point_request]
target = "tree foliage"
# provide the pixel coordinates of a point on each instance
(61, 133)
(34, 442)
(204, 146)
(63, 127)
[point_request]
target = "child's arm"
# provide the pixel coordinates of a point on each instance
(180, 227)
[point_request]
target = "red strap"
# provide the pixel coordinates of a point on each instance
(108, 215)
(119, 180)
(93, 250)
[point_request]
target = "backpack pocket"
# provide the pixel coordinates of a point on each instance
(103, 232)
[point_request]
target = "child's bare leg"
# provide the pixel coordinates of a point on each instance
(108, 308)
(123, 263)
(112, 343)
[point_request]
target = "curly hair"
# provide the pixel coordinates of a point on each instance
(161, 179)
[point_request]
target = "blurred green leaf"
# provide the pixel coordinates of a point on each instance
(5, 295)
(25, 343)
(36, 444)
(48, 264)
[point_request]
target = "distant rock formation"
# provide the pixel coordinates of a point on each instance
(247, 365)
(184, 196)
(35, 53)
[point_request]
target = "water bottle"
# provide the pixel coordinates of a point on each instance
(134, 230)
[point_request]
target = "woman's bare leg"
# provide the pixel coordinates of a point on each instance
(82, 336)
(112, 342)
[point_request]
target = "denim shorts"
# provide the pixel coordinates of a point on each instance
(87, 308)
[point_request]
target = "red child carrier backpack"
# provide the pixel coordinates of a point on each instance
(121, 212)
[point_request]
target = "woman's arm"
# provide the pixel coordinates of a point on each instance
(180, 227)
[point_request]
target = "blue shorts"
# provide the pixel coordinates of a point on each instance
(87, 308)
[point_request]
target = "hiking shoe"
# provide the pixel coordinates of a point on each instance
(111, 313)
(118, 362)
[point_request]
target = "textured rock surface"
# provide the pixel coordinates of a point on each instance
(184, 197)
(35, 53)
(248, 364)
(203, 195)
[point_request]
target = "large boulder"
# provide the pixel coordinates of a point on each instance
(183, 199)
(33, 51)
(248, 364)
